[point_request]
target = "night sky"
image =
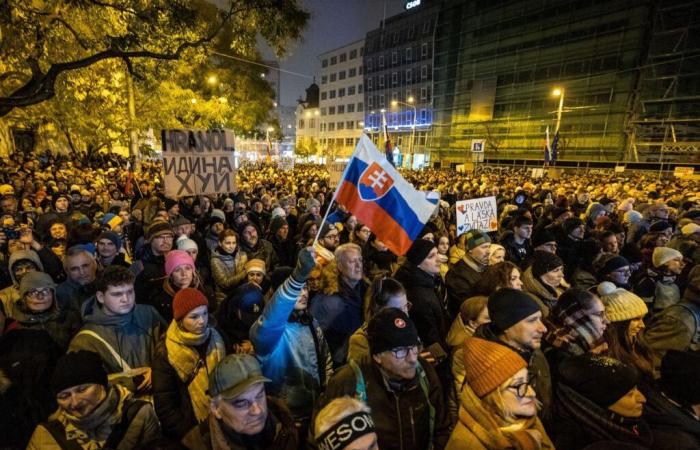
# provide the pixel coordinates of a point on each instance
(333, 23)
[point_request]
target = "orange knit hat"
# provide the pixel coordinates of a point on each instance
(488, 365)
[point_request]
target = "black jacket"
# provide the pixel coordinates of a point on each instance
(460, 281)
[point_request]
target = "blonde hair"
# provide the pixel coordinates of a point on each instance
(336, 411)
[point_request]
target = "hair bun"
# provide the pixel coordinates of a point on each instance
(606, 288)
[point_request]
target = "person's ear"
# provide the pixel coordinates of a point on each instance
(214, 408)
(100, 296)
(377, 359)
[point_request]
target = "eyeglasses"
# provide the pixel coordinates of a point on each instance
(332, 236)
(521, 388)
(39, 293)
(402, 352)
(165, 237)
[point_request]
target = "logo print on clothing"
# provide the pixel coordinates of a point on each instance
(399, 323)
(374, 182)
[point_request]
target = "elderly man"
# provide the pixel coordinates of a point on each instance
(462, 277)
(338, 308)
(81, 268)
(150, 269)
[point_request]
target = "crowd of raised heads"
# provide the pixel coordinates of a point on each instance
(129, 320)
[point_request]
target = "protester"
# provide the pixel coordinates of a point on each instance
(345, 424)
(227, 265)
(81, 268)
(544, 280)
(180, 273)
(463, 276)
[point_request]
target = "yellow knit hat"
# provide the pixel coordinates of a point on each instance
(488, 365)
(621, 304)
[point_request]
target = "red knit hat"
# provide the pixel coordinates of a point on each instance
(186, 300)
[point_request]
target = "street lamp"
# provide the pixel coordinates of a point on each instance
(211, 79)
(559, 92)
(410, 104)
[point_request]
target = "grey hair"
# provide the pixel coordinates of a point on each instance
(342, 251)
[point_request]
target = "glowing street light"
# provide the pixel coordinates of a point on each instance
(211, 79)
(559, 92)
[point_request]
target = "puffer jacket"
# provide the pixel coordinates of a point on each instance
(545, 296)
(133, 336)
(292, 351)
(142, 427)
(228, 271)
(10, 294)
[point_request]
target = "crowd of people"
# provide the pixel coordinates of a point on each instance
(130, 320)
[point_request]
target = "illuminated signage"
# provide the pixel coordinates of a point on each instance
(412, 4)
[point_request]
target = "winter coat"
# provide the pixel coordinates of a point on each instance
(516, 253)
(284, 250)
(401, 414)
(460, 281)
(338, 310)
(428, 312)
(545, 296)
(171, 392)
(71, 295)
(680, 428)
(583, 279)
(10, 294)
(262, 250)
(659, 291)
(133, 336)
(478, 428)
(162, 300)
(139, 418)
(61, 325)
(149, 271)
(228, 271)
(292, 351)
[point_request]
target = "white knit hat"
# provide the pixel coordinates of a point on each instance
(662, 255)
(621, 304)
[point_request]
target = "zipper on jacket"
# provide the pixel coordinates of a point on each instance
(413, 425)
(398, 412)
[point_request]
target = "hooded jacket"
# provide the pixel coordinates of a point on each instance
(10, 295)
(292, 351)
(545, 296)
(60, 325)
(228, 271)
(133, 335)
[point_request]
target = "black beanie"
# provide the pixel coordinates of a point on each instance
(613, 264)
(543, 262)
(542, 236)
(390, 328)
(659, 225)
(677, 368)
(419, 250)
(601, 379)
(76, 368)
(571, 224)
(509, 306)
(277, 223)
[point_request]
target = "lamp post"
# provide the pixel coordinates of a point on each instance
(410, 101)
(559, 92)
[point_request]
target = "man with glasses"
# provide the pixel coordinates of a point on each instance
(328, 240)
(403, 392)
(242, 415)
(150, 268)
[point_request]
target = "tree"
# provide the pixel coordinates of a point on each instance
(44, 42)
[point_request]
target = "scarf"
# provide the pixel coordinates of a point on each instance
(184, 357)
(495, 432)
(570, 329)
(91, 432)
(600, 423)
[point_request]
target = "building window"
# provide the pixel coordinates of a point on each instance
(424, 93)
(331, 110)
(381, 61)
(423, 115)
(323, 126)
(350, 108)
(333, 77)
(360, 107)
(353, 54)
(324, 63)
(324, 95)
(312, 123)
(331, 94)
(350, 124)
(370, 102)
(369, 84)
(369, 63)
(301, 124)
(394, 58)
(394, 78)
(324, 79)
(361, 70)
(381, 81)
(331, 126)
(341, 75)
(334, 60)
(349, 141)
(424, 72)
(409, 74)
(426, 30)
(341, 109)
(360, 88)
(424, 49)
(351, 90)
(352, 72)
(341, 92)
(341, 125)
(409, 54)
(382, 103)
(409, 93)
(343, 57)
(396, 38)
(323, 111)
(411, 31)
(394, 96)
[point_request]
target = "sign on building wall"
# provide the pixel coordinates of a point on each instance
(477, 213)
(198, 162)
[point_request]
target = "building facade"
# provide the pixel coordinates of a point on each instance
(341, 99)
(398, 80)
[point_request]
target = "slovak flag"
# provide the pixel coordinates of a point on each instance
(374, 191)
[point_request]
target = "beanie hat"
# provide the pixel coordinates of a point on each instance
(218, 213)
(613, 264)
(111, 220)
(186, 300)
(558, 211)
(76, 368)
(169, 203)
(156, 229)
(593, 210)
(475, 238)
(571, 224)
(601, 379)
(181, 220)
(175, 259)
(542, 236)
(509, 306)
(543, 262)
(278, 212)
(621, 304)
(255, 265)
(488, 365)
(691, 228)
(419, 250)
(35, 280)
(659, 225)
(276, 223)
(677, 368)
(390, 328)
(57, 196)
(186, 244)
(110, 236)
(662, 255)
(632, 217)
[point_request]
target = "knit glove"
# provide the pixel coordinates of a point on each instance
(305, 264)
